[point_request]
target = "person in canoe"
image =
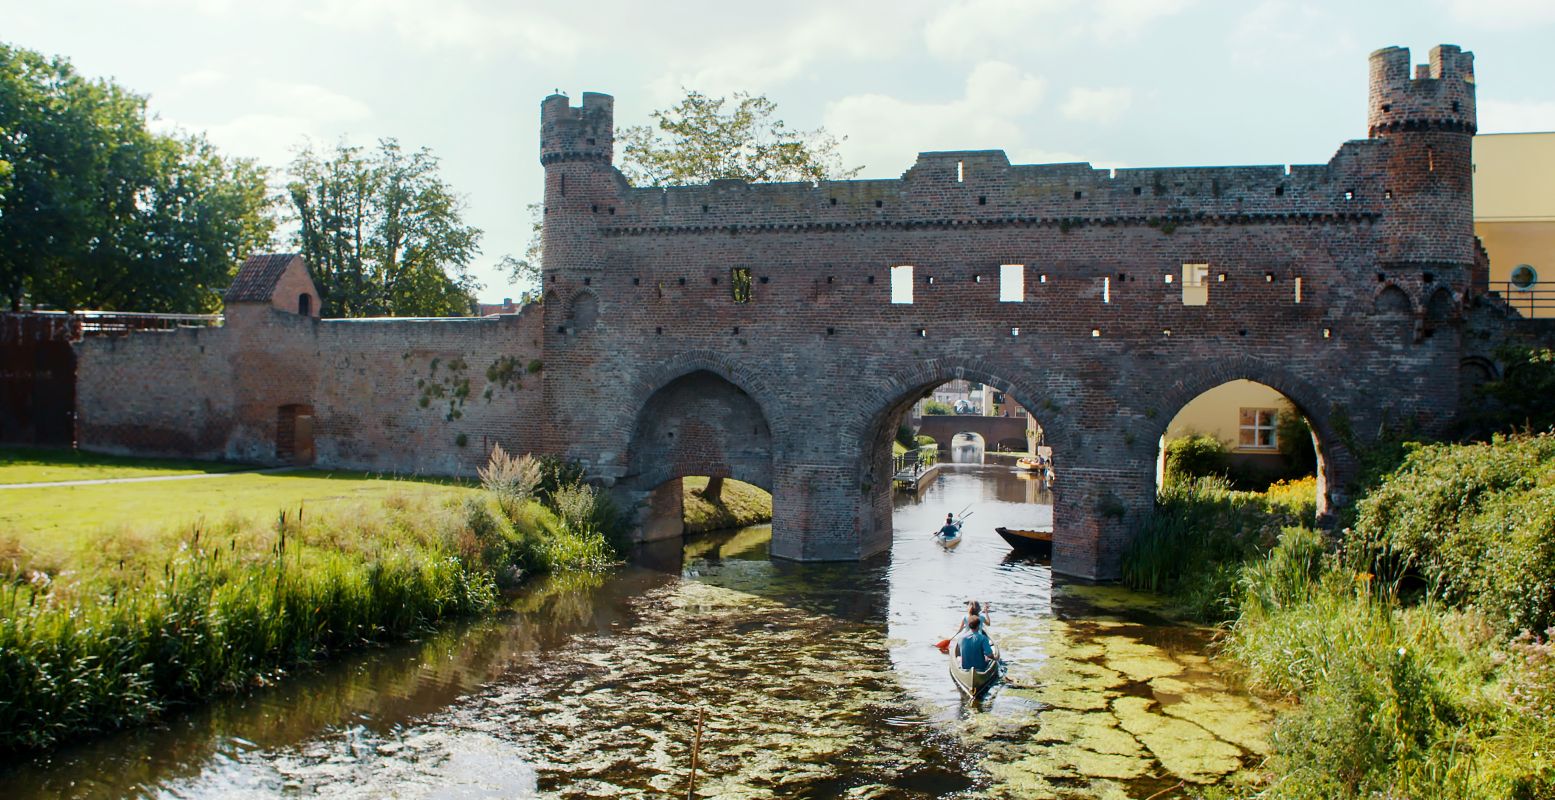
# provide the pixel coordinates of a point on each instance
(976, 649)
(950, 528)
(974, 611)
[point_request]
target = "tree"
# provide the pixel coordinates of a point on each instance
(98, 211)
(697, 142)
(382, 232)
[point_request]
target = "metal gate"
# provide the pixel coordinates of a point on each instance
(38, 378)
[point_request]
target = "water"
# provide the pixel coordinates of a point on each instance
(815, 681)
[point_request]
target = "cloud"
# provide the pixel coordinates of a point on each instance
(1501, 14)
(1274, 29)
(980, 29)
(1513, 116)
(274, 117)
(1102, 104)
(886, 133)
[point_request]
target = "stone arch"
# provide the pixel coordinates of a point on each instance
(1440, 306)
(1474, 372)
(1335, 463)
(1392, 300)
(582, 311)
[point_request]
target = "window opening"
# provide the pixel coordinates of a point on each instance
(1015, 331)
(1106, 290)
(1524, 276)
(1195, 284)
(1257, 427)
(305, 304)
(901, 284)
(740, 284)
(1298, 290)
(960, 172)
(1012, 283)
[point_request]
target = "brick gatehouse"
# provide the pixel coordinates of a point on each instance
(749, 331)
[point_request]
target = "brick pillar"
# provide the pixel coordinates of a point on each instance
(657, 513)
(817, 514)
(1096, 512)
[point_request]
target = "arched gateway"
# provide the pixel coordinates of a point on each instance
(777, 333)
(752, 331)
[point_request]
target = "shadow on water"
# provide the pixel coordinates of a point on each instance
(817, 680)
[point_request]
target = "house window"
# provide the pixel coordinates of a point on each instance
(1012, 283)
(1195, 284)
(901, 285)
(740, 284)
(305, 304)
(1257, 428)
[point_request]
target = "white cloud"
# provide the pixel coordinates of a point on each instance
(274, 116)
(1272, 30)
(886, 133)
(980, 29)
(1101, 104)
(482, 26)
(1501, 14)
(1513, 116)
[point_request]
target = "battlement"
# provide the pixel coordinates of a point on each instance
(581, 133)
(1437, 96)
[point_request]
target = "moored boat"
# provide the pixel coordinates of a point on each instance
(1038, 543)
(1028, 463)
(973, 682)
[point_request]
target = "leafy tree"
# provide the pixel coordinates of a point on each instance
(98, 211)
(935, 408)
(383, 233)
(696, 141)
(1521, 398)
(526, 271)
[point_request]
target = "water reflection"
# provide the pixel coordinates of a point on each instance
(818, 681)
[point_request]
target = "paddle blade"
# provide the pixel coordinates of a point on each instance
(943, 644)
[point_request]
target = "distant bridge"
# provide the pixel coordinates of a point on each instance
(994, 430)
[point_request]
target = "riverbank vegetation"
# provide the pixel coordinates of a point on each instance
(138, 622)
(1416, 642)
(737, 505)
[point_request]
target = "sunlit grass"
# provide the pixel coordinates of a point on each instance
(47, 465)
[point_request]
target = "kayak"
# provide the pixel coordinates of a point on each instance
(949, 541)
(972, 682)
(1038, 543)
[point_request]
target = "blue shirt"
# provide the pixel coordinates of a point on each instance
(949, 531)
(976, 651)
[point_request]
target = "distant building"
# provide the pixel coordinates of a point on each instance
(507, 306)
(1514, 217)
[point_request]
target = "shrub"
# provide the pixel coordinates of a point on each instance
(935, 408)
(512, 479)
(554, 474)
(1195, 456)
(1472, 524)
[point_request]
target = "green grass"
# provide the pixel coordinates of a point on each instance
(196, 588)
(44, 465)
(53, 523)
(739, 504)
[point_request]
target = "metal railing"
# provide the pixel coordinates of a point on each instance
(1536, 301)
(104, 323)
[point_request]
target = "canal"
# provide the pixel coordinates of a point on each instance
(814, 681)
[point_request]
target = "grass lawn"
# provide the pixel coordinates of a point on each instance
(739, 504)
(52, 524)
(47, 465)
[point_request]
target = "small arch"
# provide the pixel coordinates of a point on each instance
(305, 304)
(1440, 307)
(1392, 300)
(1474, 372)
(583, 311)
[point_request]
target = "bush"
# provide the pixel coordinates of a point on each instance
(1195, 456)
(926, 441)
(1471, 524)
(935, 408)
(512, 479)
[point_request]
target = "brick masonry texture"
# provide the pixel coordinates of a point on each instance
(653, 371)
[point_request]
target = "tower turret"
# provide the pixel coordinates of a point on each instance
(576, 147)
(1426, 118)
(585, 133)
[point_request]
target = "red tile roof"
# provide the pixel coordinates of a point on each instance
(256, 279)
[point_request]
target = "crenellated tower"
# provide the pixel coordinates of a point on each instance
(1426, 117)
(576, 149)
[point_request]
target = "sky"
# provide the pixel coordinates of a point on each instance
(1113, 82)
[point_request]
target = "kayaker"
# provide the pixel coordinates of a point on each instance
(950, 528)
(974, 611)
(976, 650)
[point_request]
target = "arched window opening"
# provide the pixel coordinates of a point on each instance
(305, 304)
(1242, 432)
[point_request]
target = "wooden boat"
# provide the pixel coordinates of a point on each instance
(973, 682)
(1038, 543)
(1028, 463)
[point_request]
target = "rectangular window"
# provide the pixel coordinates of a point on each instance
(901, 284)
(1298, 290)
(1012, 283)
(1257, 428)
(740, 284)
(1106, 290)
(1195, 284)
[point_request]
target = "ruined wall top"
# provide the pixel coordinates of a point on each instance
(582, 133)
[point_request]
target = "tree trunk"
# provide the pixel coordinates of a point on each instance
(714, 490)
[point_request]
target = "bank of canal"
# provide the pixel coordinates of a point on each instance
(818, 681)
